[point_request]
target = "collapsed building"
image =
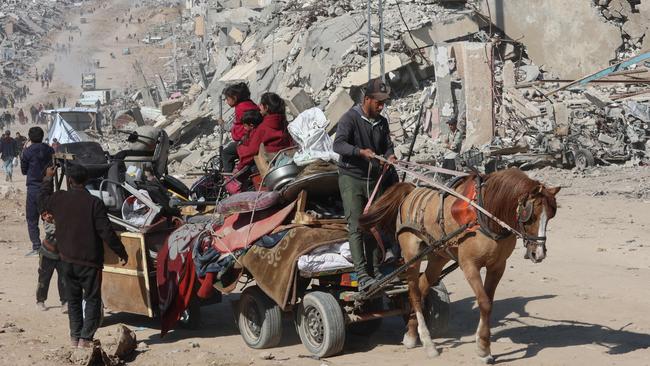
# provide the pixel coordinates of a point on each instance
(509, 79)
(24, 26)
(479, 61)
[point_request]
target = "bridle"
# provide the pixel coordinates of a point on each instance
(525, 210)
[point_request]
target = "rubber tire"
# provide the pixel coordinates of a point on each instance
(437, 310)
(583, 159)
(270, 329)
(328, 310)
(369, 327)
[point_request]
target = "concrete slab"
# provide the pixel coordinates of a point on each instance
(240, 72)
(324, 45)
(477, 80)
(297, 100)
(438, 32)
(168, 107)
(569, 38)
(339, 103)
(392, 62)
(445, 105)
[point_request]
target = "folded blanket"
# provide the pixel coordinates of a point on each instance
(275, 269)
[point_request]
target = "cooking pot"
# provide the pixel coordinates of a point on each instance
(280, 176)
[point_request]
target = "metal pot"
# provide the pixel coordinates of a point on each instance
(279, 177)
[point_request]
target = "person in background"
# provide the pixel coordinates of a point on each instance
(82, 227)
(238, 97)
(20, 142)
(33, 161)
(272, 131)
(452, 142)
(8, 152)
(362, 134)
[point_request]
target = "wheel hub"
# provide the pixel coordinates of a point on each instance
(314, 325)
(253, 321)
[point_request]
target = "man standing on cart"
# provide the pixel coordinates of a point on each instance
(362, 134)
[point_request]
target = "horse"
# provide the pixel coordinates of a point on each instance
(423, 215)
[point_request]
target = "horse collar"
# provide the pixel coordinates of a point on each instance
(483, 226)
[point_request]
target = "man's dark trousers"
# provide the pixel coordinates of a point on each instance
(355, 193)
(46, 268)
(83, 283)
(32, 216)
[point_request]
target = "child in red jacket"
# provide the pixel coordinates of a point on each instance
(272, 132)
(237, 96)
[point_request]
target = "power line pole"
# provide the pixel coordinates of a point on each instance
(369, 42)
(381, 41)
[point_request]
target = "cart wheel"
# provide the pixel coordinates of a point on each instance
(320, 324)
(260, 319)
(191, 318)
(584, 159)
(436, 310)
(371, 326)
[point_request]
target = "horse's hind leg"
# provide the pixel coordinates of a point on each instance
(410, 247)
(473, 276)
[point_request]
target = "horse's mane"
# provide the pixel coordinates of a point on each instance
(502, 192)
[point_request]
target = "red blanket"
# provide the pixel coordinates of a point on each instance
(175, 274)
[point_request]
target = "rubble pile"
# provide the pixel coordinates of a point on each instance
(24, 26)
(443, 59)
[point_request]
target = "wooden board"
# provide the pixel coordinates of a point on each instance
(127, 288)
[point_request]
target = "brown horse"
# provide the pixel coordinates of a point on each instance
(423, 215)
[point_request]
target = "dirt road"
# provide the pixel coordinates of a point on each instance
(96, 39)
(585, 304)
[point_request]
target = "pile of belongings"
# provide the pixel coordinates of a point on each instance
(208, 252)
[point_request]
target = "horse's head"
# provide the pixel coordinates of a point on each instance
(533, 213)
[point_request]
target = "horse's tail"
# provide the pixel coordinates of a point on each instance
(383, 213)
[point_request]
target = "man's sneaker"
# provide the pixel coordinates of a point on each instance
(85, 343)
(365, 281)
(32, 253)
(41, 306)
(74, 342)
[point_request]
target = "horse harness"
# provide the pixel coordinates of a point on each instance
(414, 219)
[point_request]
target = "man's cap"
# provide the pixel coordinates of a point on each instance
(451, 121)
(7, 132)
(378, 90)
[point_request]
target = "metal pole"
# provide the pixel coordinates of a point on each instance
(369, 42)
(418, 124)
(381, 41)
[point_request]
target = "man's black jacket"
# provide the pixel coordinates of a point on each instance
(82, 225)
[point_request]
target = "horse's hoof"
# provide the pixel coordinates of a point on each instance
(432, 352)
(409, 342)
(488, 360)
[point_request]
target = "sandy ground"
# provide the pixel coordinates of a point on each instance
(586, 303)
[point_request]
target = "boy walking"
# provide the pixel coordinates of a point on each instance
(48, 262)
(82, 228)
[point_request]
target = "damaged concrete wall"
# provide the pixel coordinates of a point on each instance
(569, 38)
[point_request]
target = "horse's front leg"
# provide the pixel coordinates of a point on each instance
(473, 276)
